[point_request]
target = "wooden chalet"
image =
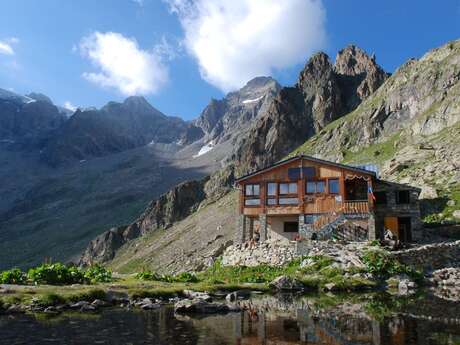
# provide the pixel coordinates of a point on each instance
(308, 198)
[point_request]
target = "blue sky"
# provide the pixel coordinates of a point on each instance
(63, 48)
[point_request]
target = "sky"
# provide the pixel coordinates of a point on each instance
(181, 53)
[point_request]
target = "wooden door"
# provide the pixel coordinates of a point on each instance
(391, 223)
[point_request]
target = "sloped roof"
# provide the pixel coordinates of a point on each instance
(308, 158)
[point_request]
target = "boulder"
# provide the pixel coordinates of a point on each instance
(286, 283)
(236, 295)
(197, 295)
(456, 214)
(200, 306)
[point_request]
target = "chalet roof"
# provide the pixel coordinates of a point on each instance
(398, 185)
(307, 158)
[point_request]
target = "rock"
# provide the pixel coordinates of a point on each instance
(286, 283)
(451, 203)
(51, 310)
(79, 305)
(200, 306)
(150, 306)
(456, 214)
(197, 295)
(428, 192)
(15, 308)
(236, 295)
(87, 307)
(99, 303)
(330, 286)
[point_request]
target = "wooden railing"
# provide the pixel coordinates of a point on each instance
(355, 206)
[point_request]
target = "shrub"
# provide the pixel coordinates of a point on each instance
(97, 274)
(56, 274)
(186, 277)
(148, 275)
(379, 263)
(13, 276)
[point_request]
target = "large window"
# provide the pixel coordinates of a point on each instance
(252, 190)
(316, 187)
(288, 188)
(333, 185)
(288, 201)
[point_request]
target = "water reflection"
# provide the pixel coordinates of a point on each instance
(281, 320)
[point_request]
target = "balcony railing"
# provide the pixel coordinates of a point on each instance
(355, 206)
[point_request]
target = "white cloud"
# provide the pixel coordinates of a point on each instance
(122, 64)
(138, 2)
(6, 48)
(234, 41)
(70, 106)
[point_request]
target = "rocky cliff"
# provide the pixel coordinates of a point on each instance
(323, 93)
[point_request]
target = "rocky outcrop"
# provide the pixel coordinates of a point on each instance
(170, 207)
(323, 93)
(229, 117)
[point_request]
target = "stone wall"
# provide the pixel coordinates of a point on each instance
(431, 256)
(275, 253)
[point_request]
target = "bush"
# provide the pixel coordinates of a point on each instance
(49, 299)
(380, 264)
(13, 276)
(186, 277)
(97, 274)
(56, 274)
(148, 275)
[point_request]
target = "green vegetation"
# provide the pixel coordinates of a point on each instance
(56, 274)
(184, 277)
(13, 276)
(381, 265)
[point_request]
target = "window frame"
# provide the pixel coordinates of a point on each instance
(329, 188)
(252, 196)
(398, 199)
(316, 181)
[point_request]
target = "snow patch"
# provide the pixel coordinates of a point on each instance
(247, 101)
(205, 149)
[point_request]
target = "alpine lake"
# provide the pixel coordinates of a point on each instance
(326, 318)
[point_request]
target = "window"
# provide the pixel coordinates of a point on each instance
(271, 189)
(316, 187)
(252, 190)
(334, 186)
(402, 197)
(297, 173)
(288, 188)
(291, 227)
(271, 201)
(288, 201)
(252, 202)
(380, 198)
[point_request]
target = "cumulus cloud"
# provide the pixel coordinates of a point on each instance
(234, 41)
(70, 106)
(121, 64)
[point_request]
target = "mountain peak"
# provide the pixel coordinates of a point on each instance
(39, 97)
(138, 101)
(353, 60)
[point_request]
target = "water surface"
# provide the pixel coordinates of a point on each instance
(287, 319)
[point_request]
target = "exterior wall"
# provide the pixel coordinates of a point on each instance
(308, 203)
(276, 228)
(392, 209)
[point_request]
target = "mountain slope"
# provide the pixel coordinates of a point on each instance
(409, 127)
(99, 169)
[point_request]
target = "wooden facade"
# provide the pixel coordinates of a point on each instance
(322, 176)
(313, 194)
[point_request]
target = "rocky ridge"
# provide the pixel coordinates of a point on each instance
(323, 93)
